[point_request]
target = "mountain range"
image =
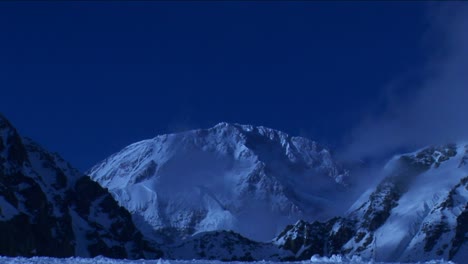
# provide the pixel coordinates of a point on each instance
(231, 192)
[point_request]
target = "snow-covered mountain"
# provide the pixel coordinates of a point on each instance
(48, 208)
(198, 185)
(419, 211)
(228, 177)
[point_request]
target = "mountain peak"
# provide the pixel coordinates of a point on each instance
(248, 128)
(11, 147)
(223, 177)
(5, 124)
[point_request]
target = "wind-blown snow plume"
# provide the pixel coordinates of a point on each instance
(435, 113)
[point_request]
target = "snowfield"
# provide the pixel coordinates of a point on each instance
(102, 260)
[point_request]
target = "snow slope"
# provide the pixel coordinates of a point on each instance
(424, 181)
(223, 178)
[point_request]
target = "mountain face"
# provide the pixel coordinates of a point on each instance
(419, 211)
(224, 178)
(48, 208)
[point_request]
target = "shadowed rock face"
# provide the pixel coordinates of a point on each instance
(48, 208)
(449, 218)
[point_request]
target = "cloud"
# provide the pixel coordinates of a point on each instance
(437, 112)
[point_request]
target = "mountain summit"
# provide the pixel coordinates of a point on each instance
(252, 180)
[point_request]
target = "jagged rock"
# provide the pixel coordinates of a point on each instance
(48, 208)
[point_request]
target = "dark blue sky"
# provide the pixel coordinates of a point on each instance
(88, 78)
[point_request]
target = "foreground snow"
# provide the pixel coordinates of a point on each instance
(102, 260)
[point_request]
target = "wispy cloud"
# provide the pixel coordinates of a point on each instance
(437, 112)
